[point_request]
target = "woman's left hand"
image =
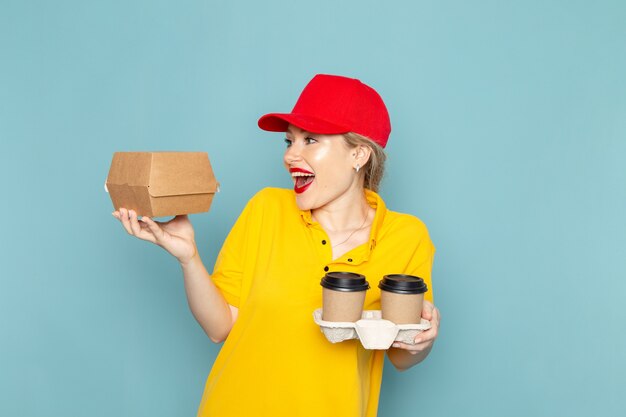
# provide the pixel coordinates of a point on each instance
(424, 340)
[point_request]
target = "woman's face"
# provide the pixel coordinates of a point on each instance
(322, 167)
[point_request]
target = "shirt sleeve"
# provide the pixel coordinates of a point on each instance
(421, 263)
(228, 273)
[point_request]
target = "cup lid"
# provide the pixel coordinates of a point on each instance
(403, 284)
(345, 281)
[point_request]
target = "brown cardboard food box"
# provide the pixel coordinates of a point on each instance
(159, 184)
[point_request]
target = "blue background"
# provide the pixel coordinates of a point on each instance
(509, 141)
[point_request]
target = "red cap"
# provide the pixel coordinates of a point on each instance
(330, 105)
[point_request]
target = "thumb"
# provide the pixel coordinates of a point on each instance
(427, 310)
(153, 227)
(179, 218)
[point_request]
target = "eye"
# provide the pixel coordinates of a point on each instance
(309, 140)
(288, 142)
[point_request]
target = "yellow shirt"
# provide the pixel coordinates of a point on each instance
(275, 361)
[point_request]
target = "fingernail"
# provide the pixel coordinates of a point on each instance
(417, 341)
(396, 345)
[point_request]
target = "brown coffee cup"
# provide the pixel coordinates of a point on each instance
(402, 298)
(343, 295)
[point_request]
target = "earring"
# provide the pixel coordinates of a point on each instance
(357, 168)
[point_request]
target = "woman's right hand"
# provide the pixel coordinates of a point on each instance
(175, 236)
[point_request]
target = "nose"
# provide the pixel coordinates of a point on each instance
(292, 155)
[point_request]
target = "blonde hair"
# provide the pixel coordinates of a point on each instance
(374, 169)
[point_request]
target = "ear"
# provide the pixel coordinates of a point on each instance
(361, 155)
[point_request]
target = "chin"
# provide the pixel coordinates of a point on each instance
(310, 201)
(303, 203)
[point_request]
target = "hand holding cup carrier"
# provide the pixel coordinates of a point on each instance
(400, 318)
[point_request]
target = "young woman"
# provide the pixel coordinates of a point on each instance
(266, 282)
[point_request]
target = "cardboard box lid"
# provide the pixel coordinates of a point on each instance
(164, 173)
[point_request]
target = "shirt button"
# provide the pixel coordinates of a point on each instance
(325, 269)
(323, 242)
(349, 259)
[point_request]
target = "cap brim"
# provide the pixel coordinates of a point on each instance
(278, 122)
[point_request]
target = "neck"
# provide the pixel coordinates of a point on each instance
(346, 212)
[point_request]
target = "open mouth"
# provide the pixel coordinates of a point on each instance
(302, 179)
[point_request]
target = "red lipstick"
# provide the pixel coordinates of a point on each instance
(302, 183)
(300, 170)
